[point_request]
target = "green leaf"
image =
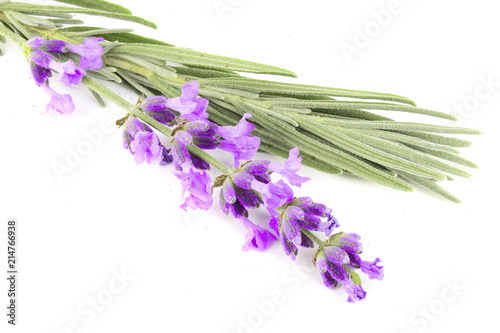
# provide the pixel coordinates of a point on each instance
(98, 98)
(431, 185)
(97, 4)
(204, 60)
(42, 10)
(300, 89)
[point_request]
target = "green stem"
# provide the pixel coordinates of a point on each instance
(131, 109)
(312, 236)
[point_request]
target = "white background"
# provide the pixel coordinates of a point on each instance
(186, 271)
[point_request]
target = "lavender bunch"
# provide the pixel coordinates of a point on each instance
(248, 185)
(335, 129)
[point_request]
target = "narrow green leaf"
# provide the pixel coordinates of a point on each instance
(203, 73)
(32, 20)
(396, 126)
(98, 98)
(97, 32)
(406, 152)
(378, 155)
(447, 156)
(66, 21)
(443, 140)
(431, 185)
(398, 137)
(301, 89)
(347, 105)
(97, 4)
(134, 83)
(42, 10)
(189, 57)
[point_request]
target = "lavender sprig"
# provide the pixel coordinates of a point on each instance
(335, 129)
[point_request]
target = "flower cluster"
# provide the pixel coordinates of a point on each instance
(337, 259)
(43, 59)
(248, 186)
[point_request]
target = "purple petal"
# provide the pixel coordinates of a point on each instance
(355, 292)
(184, 138)
(90, 52)
(60, 103)
(290, 168)
(257, 237)
(228, 192)
(242, 179)
(145, 147)
(295, 213)
(40, 74)
(336, 255)
(41, 58)
(291, 230)
(372, 270)
(35, 42)
(55, 46)
(198, 186)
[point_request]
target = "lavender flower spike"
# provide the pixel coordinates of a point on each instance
(337, 259)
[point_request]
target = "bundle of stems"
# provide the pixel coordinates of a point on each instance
(335, 129)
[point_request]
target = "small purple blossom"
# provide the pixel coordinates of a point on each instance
(166, 156)
(337, 259)
(40, 74)
(141, 141)
(146, 147)
(60, 103)
(290, 168)
(237, 140)
(90, 52)
(200, 133)
(198, 185)
(156, 107)
(70, 73)
(257, 237)
(190, 106)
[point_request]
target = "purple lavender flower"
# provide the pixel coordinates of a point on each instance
(190, 106)
(40, 74)
(298, 214)
(156, 107)
(141, 141)
(145, 147)
(70, 73)
(198, 185)
(290, 168)
(337, 259)
(237, 140)
(60, 103)
(257, 237)
(90, 52)
(237, 193)
(200, 133)
(166, 157)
